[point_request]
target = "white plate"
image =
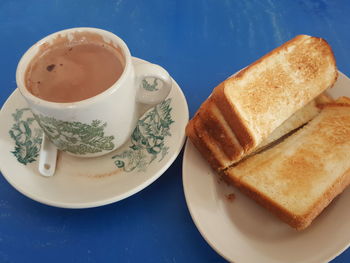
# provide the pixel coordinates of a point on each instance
(242, 231)
(91, 182)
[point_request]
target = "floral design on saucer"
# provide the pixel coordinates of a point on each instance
(147, 140)
(26, 136)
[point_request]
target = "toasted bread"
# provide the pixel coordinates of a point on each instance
(219, 145)
(299, 177)
(262, 96)
(254, 107)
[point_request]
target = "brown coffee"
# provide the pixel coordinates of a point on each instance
(71, 71)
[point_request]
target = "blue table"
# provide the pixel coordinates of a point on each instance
(200, 43)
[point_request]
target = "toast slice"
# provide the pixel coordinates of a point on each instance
(300, 176)
(259, 98)
(219, 145)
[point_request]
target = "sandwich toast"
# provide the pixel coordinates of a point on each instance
(263, 102)
(299, 177)
(215, 140)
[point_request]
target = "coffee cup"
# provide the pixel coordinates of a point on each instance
(76, 112)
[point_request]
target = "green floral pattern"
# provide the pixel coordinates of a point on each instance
(147, 140)
(76, 137)
(27, 138)
(150, 87)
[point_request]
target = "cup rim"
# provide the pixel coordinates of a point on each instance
(29, 54)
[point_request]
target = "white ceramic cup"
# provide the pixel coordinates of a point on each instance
(100, 124)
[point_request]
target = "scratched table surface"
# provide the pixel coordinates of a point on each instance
(200, 43)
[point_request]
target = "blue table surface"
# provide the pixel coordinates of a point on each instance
(200, 43)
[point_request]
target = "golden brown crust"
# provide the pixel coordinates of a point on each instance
(218, 132)
(200, 144)
(231, 117)
(340, 102)
(333, 61)
(217, 158)
(343, 100)
(197, 142)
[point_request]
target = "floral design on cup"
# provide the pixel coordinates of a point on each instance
(76, 137)
(27, 138)
(150, 87)
(148, 139)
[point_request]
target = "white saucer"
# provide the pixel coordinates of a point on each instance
(91, 182)
(242, 231)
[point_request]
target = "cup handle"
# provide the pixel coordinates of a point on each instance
(151, 92)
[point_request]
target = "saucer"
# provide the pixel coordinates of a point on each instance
(90, 182)
(242, 231)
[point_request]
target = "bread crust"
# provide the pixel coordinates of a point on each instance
(201, 145)
(340, 102)
(197, 142)
(228, 143)
(231, 116)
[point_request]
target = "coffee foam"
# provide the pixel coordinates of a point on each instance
(74, 67)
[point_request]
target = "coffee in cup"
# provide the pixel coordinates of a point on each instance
(66, 71)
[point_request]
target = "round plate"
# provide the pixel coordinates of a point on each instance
(91, 182)
(242, 231)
